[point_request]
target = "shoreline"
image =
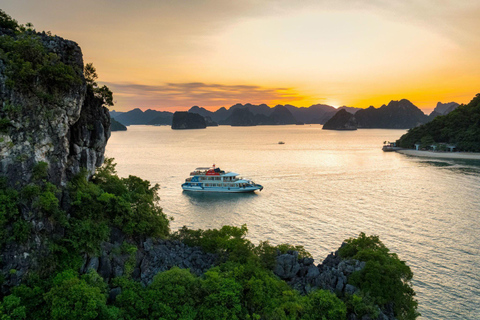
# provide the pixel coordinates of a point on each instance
(441, 155)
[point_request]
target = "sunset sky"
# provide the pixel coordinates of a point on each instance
(173, 54)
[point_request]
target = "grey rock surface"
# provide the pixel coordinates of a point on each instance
(68, 131)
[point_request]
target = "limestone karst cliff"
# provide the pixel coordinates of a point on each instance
(47, 113)
(52, 126)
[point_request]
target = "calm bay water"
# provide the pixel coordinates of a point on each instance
(322, 187)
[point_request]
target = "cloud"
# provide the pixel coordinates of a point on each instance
(185, 95)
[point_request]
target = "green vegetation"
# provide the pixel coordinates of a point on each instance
(461, 128)
(130, 204)
(241, 286)
(8, 22)
(103, 92)
(28, 61)
(4, 124)
(12, 226)
(385, 277)
(230, 291)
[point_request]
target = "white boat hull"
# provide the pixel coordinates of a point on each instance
(221, 189)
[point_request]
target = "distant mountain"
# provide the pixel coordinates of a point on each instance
(352, 110)
(314, 114)
(262, 109)
(461, 128)
(396, 115)
(342, 120)
(442, 109)
(240, 117)
(116, 126)
(317, 113)
(115, 114)
(445, 108)
(188, 120)
(209, 122)
(281, 116)
(201, 111)
(137, 116)
(162, 119)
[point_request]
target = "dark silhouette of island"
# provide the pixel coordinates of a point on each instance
(240, 117)
(342, 120)
(400, 114)
(137, 116)
(396, 115)
(279, 115)
(116, 126)
(188, 120)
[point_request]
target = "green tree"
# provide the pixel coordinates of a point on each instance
(8, 22)
(74, 297)
(103, 92)
(427, 141)
(324, 305)
(385, 278)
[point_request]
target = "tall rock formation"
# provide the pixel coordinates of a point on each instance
(342, 120)
(53, 125)
(51, 117)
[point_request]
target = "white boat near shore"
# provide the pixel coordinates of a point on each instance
(211, 179)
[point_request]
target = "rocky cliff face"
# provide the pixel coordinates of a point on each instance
(49, 118)
(66, 128)
(332, 274)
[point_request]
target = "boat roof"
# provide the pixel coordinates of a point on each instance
(230, 174)
(203, 168)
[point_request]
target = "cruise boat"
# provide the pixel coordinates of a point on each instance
(211, 179)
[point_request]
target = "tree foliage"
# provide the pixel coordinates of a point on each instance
(30, 67)
(103, 92)
(385, 278)
(461, 127)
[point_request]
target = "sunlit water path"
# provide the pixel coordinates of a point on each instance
(322, 187)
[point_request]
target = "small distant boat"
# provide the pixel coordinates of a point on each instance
(211, 179)
(390, 146)
(281, 142)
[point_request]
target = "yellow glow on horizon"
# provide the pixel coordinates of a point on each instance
(305, 53)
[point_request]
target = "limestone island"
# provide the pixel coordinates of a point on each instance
(188, 120)
(342, 120)
(454, 135)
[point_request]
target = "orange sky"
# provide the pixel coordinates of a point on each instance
(171, 55)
